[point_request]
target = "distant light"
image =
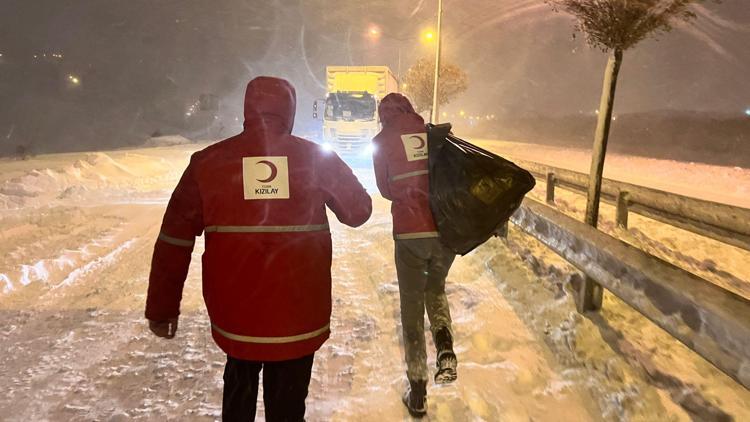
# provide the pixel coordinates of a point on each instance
(429, 35)
(373, 32)
(1, 54)
(445, 114)
(327, 147)
(75, 80)
(404, 86)
(747, 111)
(462, 113)
(370, 149)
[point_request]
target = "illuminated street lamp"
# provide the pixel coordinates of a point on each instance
(374, 32)
(75, 80)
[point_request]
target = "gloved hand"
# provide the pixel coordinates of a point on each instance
(165, 329)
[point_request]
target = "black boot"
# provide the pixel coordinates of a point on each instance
(446, 359)
(415, 398)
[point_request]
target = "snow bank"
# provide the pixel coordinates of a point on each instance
(68, 266)
(167, 141)
(85, 177)
(723, 184)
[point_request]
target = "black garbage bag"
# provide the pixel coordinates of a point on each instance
(473, 192)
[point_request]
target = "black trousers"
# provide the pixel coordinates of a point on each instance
(284, 389)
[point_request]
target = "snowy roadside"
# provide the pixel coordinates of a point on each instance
(726, 185)
(632, 367)
(81, 352)
(719, 263)
(637, 350)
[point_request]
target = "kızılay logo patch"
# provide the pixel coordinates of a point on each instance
(265, 177)
(415, 146)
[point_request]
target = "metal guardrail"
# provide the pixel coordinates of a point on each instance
(725, 223)
(708, 319)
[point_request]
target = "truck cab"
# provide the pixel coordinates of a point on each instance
(350, 121)
(350, 112)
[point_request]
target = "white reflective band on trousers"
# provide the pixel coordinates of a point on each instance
(267, 229)
(271, 340)
(175, 241)
(409, 174)
(420, 235)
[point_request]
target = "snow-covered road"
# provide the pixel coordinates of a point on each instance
(75, 346)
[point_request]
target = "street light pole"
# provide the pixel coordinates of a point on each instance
(399, 65)
(434, 112)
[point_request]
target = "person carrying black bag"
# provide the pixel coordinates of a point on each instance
(422, 261)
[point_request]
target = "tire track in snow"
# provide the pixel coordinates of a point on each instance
(361, 361)
(97, 264)
(55, 242)
(60, 355)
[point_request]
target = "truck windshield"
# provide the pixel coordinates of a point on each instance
(350, 106)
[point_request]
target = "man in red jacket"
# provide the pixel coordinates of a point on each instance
(260, 198)
(422, 262)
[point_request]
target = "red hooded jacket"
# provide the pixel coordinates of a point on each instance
(260, 198)
(401, 170)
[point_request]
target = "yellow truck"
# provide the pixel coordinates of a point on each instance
(350, 118)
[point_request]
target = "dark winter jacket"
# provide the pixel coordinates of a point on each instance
(260, 198)
(400, 162)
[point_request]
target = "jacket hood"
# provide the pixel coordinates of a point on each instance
(394, 107)
(270, 105)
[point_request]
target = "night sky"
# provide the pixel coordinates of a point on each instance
(115, 70)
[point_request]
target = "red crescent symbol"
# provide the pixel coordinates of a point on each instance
(422, 143)
(274, 171)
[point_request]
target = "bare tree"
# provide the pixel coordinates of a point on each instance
(419, 81)
(615, 26)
